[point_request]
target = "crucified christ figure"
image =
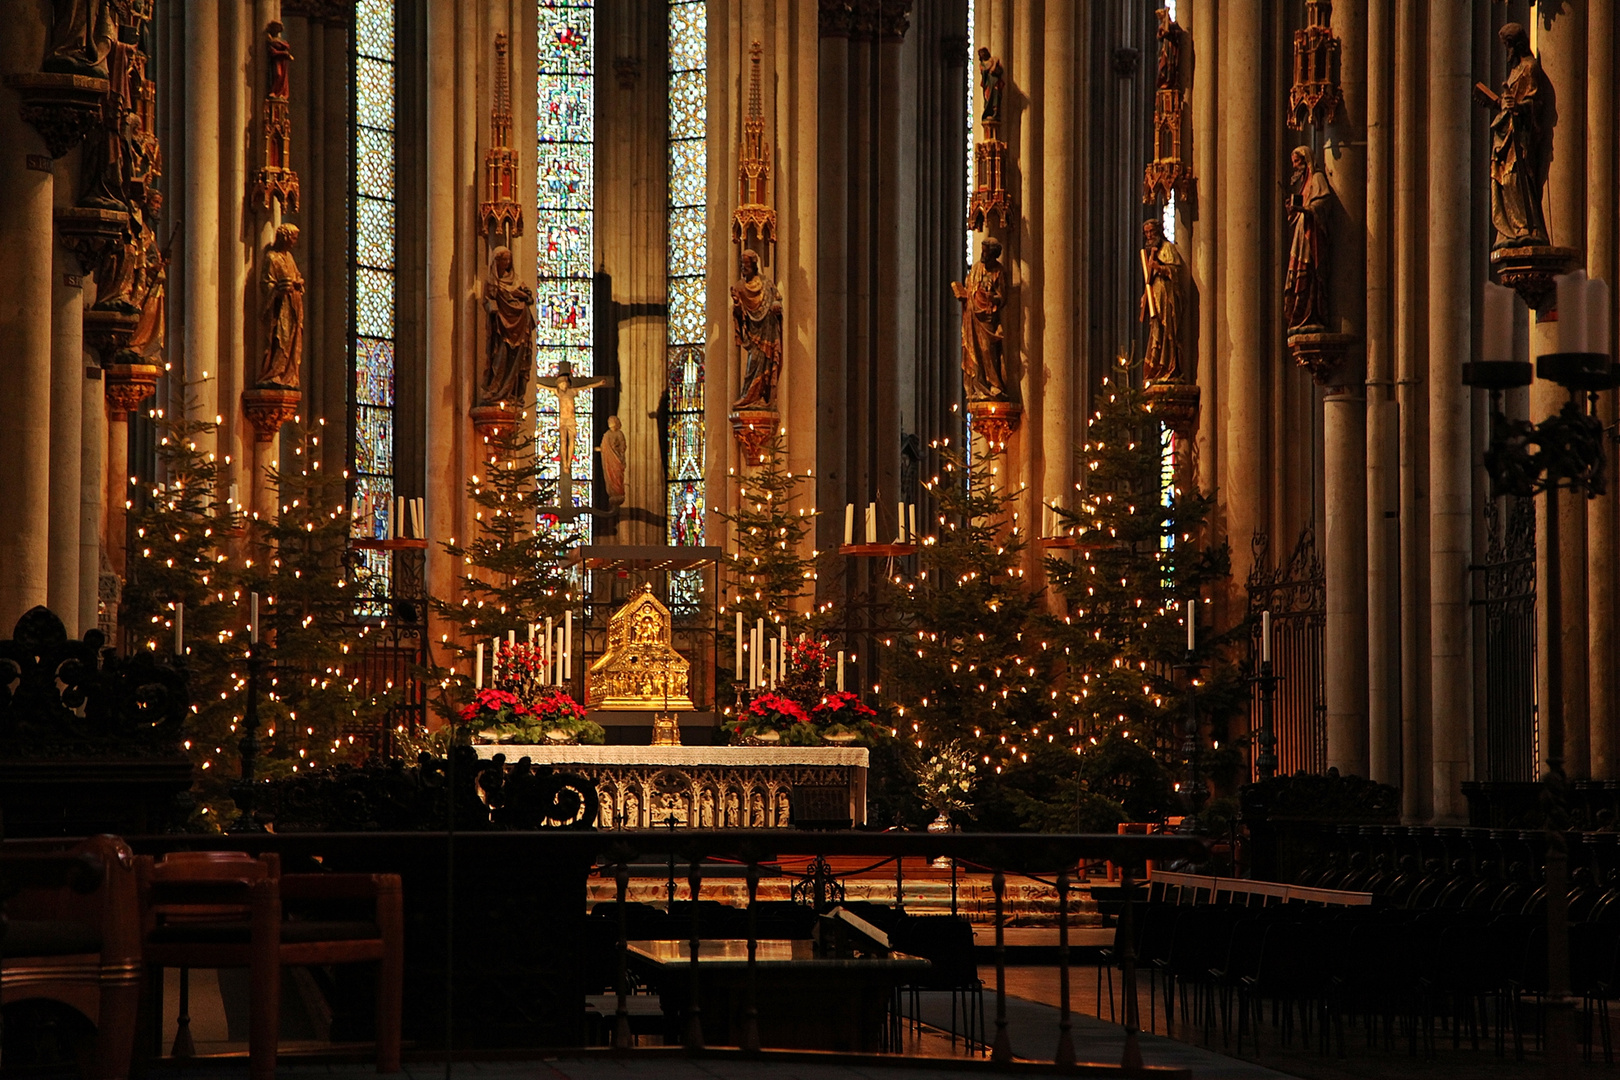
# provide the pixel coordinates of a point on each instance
(566, 387)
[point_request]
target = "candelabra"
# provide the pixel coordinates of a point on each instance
(1526, 458)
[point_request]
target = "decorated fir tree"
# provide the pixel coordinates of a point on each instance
(513, 575)
(769, 574)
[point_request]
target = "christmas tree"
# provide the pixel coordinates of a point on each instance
(769, 574)
(513, 576)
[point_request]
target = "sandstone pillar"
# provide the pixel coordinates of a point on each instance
(202, 247)
(67, 403)
(444, 424)
(25, 325)
(1060, 300)
(92, 494)
(1602, 548)
(1449, 316)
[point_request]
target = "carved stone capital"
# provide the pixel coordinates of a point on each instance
(1323, 355)
(268, 407)
(90, 233)
(1529, 271)
(127, 386)
(62, 108)
(753, 429)
(1176, 404)
(107, 332)
(995, 421)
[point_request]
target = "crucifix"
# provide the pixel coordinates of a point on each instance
(566, 387)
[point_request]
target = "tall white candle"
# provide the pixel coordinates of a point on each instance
(911, 533)
(179, 628)
(840, 671)
(531, 635)
(781, 656)
(1597, 316)
(871, 523)
(568, 645)
(557, 667)
(759, 652)
(776, 660)
(736, 668)
(1572, 312)
(550, 660)
(494, 656)
(899, 522)
(418, 512)
(1265, 637)
(1192, 624)
(478, 668)
(849, 523)
(753, 659)
(253, 618)
(1497, 344)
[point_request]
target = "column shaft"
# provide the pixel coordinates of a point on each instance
(1060, 300)
(1449, 319)
(1602, 548)
(25, 328)
(67, 402)
(202, 248)
(444, 425)
(92, 496)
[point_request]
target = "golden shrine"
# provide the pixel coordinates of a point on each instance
(640, 670)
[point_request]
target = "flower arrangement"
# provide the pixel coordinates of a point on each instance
(843, 717)
(523, 708)
(946, 779)
(775, 718)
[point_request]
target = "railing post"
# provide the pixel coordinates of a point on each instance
(694, 1011)
(750, 1033)
(622, 1039)
(1002, 1051)
(1065, 1047)
(1132, 1058)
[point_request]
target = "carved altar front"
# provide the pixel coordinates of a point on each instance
(702, 787)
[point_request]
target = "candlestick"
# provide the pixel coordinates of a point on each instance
(753, 661)
(1265, 637)
(1192, 624)
(179, 628)
(912, 518)
(557, 668)
(478, 668)
(550, 665)
(531, 635)
(781, 656)
(736, 668)
(840, 671)
(775, 660)
(494, 656)
(871, 523)
(849, 523)
(899, 522)
(253, 618)
(568, 645)
(416, 517)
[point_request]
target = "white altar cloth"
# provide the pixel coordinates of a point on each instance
(679, 756)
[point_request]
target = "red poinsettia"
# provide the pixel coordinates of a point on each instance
(492, 706)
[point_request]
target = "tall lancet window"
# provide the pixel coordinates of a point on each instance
(564, 233)
(372, 279)
(687, 266)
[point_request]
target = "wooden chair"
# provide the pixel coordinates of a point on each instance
(214, 909)
(71, 933)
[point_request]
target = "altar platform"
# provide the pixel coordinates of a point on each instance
(707, 787)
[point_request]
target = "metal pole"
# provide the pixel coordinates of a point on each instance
(1002, 1051)
(1065, 1047)
(1132, 1058)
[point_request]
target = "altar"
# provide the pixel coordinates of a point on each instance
(705, 787)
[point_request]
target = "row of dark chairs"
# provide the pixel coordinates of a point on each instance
(1397, 972)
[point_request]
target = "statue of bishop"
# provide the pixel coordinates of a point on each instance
(283, 313)
(983, 296)
(756, 324)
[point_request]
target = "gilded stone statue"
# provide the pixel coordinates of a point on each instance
(509, 354)
(1521, 143)
(283, 313)
(992, 83)
(983, 296)
(613, 450)
(756, 324)
(1305, 288)
(1163, 272)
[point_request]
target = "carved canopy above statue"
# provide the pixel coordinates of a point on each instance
(640, 669)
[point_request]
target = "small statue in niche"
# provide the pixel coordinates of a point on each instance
(283, 313)
(1521, 143)
(733, 811)
(281, 58)
(1160, 308)
(756, 325)
(510, 351)
(152, 288)
(567, 388)
(784, 810)
(992, 82)
(613, 450)
(706, 809)
(1168, 76)
(117, 276)
(1305, 288)
(983, 296)
(630, 811)
(82, 34)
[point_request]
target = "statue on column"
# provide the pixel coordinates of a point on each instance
(983, 296)
(1168, 74)
(614, 449)
(1305, 288)
(992, 81)
(756, 325)
(1163, 271)
(510, 351)
(147, 341)
(1521, 143)
(283, 313)
(564, 385)
(82, 35)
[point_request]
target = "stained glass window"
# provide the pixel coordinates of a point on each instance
(564, 234)
(372, 279)
(687, 265)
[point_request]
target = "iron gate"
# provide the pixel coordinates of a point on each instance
(1296, 595)
(1504, 588)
